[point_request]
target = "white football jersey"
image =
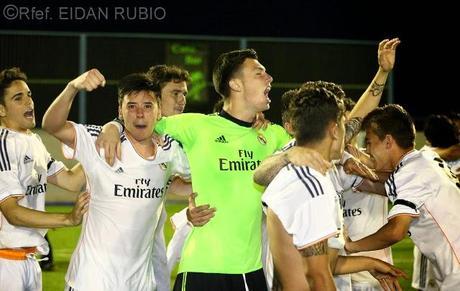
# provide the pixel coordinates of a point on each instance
(116, 250)
(25, 165)
(426, 190)
(364, 214)
(303, 200)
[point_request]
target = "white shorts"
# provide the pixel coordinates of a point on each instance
(21, 275)
(423, 277)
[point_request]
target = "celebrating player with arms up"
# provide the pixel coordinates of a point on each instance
(116, 250)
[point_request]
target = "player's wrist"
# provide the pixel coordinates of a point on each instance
(118, 123)
(348, 248)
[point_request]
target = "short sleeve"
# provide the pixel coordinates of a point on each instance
(307, 220)
(180, 126)
(54, 167)
(407, 192)
(10, 183)
(180, 164)
(85, 149)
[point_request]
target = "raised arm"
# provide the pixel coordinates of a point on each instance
(55, 119)
(370, 99)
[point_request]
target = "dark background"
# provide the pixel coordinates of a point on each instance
(425, 77)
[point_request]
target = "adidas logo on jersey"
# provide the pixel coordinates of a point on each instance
(119, 170)
(221, 139)
(27, 159)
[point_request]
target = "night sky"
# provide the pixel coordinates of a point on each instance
(423, 83)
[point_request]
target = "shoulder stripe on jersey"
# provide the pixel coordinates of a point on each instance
(50, 163)
(289, 145)
(304, 182)
(405, 203)
(312, 180)
(122, 137)
(316, 179)
(4, 159)
(392, 186)
(309, 181)
(167, 141)
(354, 181)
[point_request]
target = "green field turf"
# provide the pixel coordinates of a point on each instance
(63, 241)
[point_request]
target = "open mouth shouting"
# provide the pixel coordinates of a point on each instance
(267, 90)
(29, 114)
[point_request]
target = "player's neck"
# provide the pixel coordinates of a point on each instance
(324, 148)
(398, 155)
(15, 129)
(146, 148)
(239, 110)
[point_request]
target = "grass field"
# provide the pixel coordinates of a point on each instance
(64, 240)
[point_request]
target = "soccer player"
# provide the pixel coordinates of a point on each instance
(25, 169)
(334, 243)
(121, 246)
(223, 150)
(301, 202)
(172, 89)
(363, 214)
(442, 139)
(425, 196)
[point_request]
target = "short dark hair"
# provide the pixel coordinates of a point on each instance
(336, 89)
(8, 76)
(312, 111)
(394, 120)
(226, 65)
(134, 83)
(286, 99)
(440, 131)
(163, 74)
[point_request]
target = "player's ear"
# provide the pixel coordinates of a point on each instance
(235, 84)
(120, 115)
(333, 129)
(288, 126)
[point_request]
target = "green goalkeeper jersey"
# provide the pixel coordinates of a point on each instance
(223, 153)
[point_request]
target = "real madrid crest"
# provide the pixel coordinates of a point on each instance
(262, 139)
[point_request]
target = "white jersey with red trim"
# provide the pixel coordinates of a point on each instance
(303, 200)
(25, 165)
(121, 246)
(422, 188)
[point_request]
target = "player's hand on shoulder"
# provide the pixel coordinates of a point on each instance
(260, 122)
(88, 81)
(301, 156)
(108, 143)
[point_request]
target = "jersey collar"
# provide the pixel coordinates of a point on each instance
(226, 115)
